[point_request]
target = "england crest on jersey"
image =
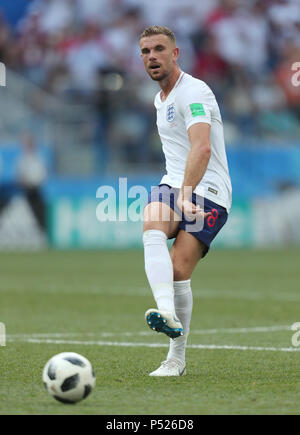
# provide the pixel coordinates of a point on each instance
(171, 112)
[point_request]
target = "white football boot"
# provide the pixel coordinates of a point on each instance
(164, 321)
(170, 367)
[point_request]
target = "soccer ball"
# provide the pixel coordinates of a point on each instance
(69, 377)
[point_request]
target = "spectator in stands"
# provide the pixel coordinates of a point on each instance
(237, 46)
(31, 174)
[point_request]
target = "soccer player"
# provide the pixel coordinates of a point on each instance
(192, 201)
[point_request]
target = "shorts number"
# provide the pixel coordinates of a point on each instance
(211, 220)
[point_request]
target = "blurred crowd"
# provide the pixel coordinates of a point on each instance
(244, 49)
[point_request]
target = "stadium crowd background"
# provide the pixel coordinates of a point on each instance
(76, 84)
(243, 49)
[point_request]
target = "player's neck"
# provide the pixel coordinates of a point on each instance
(168, 83)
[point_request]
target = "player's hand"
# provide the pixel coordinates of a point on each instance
(190, 210)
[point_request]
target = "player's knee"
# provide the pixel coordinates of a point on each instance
(157, 217)
(181, 270)
(151, 218)
(158, 226)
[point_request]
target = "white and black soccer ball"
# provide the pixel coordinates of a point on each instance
(69, 377)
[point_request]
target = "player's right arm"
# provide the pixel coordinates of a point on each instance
(196, 165)
(195, 104)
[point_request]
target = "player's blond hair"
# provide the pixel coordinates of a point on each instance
(159, 30)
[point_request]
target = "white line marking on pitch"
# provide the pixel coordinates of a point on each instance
(158, 345)
(148, 333)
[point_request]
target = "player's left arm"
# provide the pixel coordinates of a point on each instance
(196, 165)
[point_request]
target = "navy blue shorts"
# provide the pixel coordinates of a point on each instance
(204, 231)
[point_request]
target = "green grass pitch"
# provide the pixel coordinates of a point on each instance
(240, 358)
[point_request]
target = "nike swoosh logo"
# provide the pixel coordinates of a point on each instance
(181, 373)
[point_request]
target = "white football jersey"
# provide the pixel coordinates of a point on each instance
(192, 101)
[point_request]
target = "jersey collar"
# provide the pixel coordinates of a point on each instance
(175, 86)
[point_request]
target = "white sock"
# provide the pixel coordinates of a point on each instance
(183, 300)
(159, 269)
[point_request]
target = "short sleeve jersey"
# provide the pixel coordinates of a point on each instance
(191, 101)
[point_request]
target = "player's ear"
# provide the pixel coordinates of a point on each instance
(175, 53)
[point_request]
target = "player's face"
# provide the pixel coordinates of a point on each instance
(159, 55)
